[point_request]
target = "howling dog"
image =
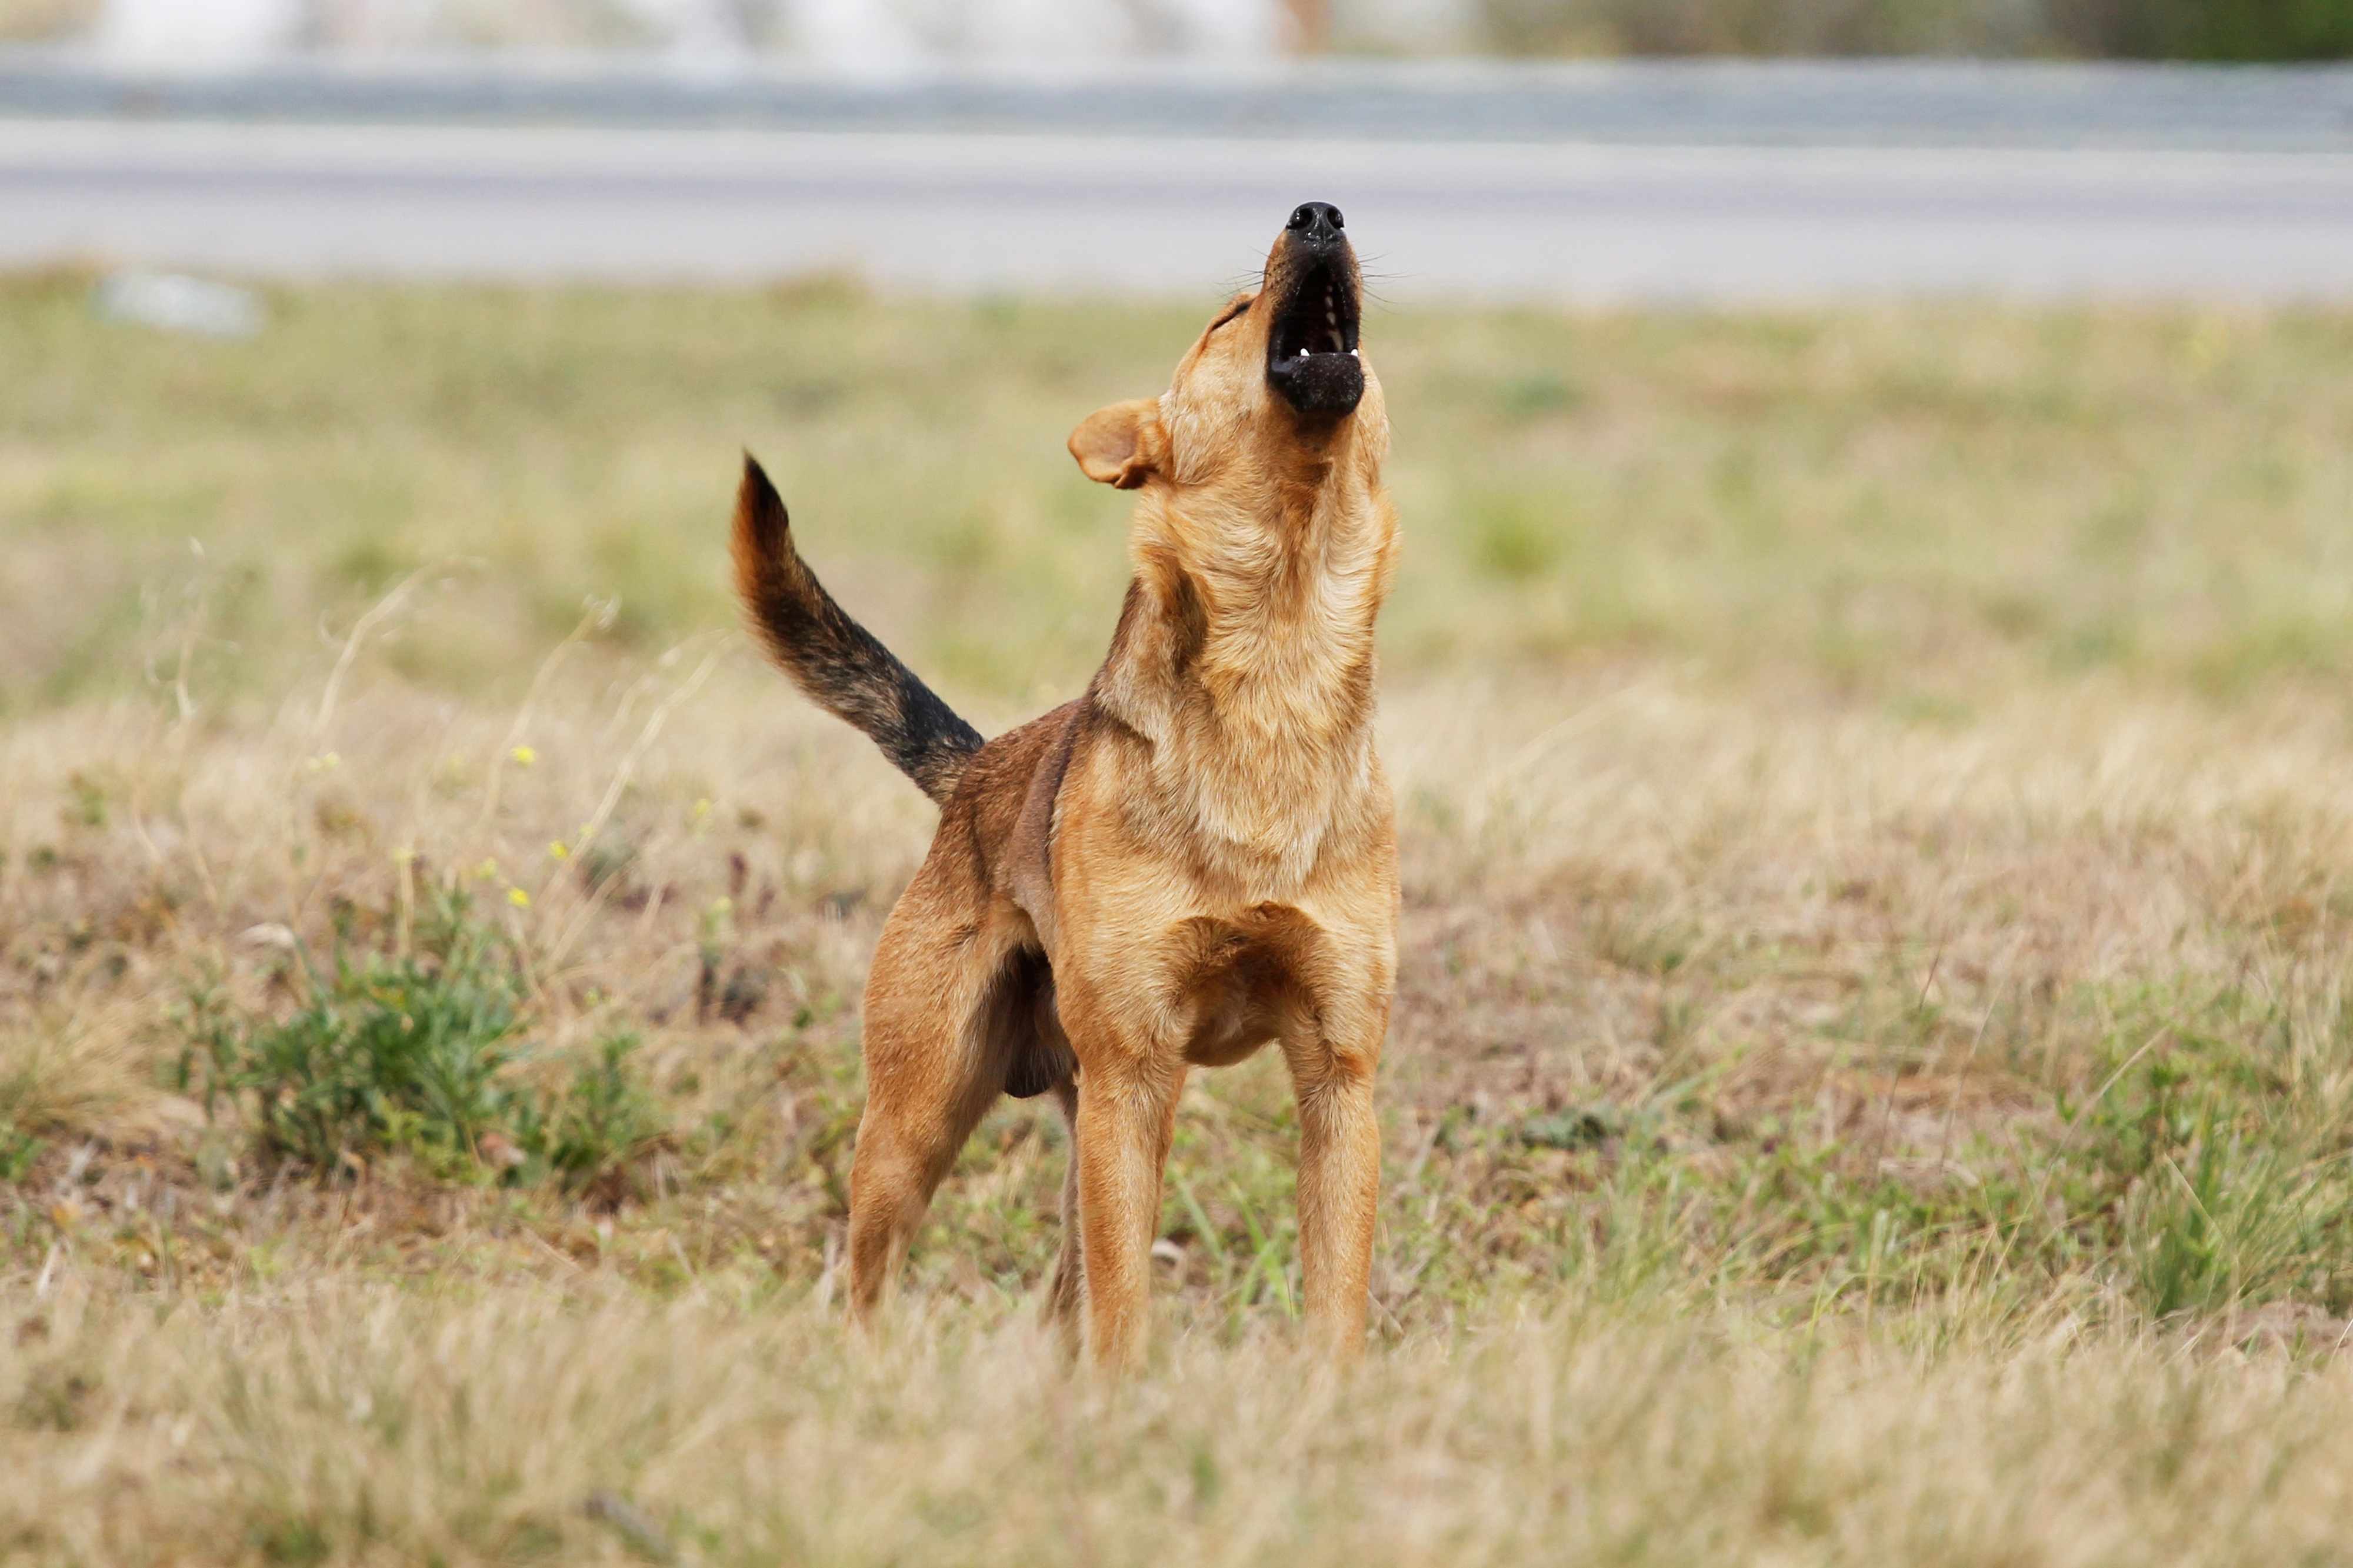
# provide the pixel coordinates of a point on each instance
(1197, 856)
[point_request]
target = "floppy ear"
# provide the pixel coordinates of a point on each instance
(1122, 445)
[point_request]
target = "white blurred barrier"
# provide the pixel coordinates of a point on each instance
(175, 302)
(192, 35)
(184, 34)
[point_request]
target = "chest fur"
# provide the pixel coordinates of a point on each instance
(1253, 684)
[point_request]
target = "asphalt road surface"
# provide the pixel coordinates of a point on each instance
(1640, 102)
(977, 211)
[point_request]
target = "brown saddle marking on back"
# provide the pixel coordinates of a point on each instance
(1030, 857)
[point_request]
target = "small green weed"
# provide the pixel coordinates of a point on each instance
(602, 1124)
(413, 1054)
(19, 1150)
(2221, 1184)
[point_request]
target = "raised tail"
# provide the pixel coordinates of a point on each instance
(833, 660)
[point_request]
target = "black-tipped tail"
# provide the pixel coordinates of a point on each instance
(833, 660)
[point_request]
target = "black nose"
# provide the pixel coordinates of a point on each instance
(1319, 223)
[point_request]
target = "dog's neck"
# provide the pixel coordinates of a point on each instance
(1245, 658)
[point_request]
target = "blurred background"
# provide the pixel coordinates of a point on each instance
(1509, 150)
(892, 32)
(1661, 287)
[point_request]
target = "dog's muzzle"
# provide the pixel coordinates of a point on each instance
(1311, 356)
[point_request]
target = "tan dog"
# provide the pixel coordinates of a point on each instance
(1196, 857)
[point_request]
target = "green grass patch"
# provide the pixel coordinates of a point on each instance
(1721, 488)
(416, 1053)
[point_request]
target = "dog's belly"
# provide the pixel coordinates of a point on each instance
(1230, 1031)
(1242, 979)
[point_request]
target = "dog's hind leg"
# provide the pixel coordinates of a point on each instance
(933, 1068)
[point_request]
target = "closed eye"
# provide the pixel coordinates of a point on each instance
(1236, 309)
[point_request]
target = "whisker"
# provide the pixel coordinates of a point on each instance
(1368, 277)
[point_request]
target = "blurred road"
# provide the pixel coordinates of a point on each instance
(2240, 195)
(1688, 103)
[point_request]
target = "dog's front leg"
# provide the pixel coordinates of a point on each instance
(1339, 1183)
(1125, 1117)
(1066, 1292)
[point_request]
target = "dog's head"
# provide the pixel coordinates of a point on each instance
(1276, 383)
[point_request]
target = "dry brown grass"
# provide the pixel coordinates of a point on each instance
(332, 1420)
(1880, 1095)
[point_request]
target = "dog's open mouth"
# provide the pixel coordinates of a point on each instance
(1311, 353)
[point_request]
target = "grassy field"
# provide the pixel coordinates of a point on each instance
(1872, 1078)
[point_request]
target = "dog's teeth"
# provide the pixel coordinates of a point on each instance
(1354, 355)
(1302, 353)
(1331, 317)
